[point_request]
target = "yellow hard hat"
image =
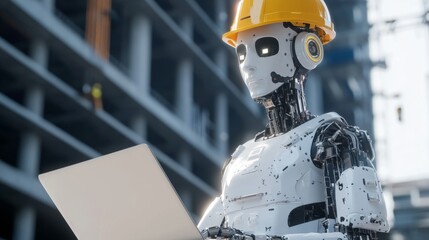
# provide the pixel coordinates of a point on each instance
(255, 13)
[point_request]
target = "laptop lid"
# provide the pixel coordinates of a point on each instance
(123, 195)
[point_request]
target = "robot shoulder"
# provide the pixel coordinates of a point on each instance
(338, 131)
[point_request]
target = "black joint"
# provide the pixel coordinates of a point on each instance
(307, 27)
(277, 78)
(291, 26)
(287, 25)
(274, 77)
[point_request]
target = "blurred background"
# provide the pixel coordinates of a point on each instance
(83, 78)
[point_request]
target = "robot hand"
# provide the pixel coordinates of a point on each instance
(235, 234)
(225, 233)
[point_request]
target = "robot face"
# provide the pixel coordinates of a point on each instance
(264, 51)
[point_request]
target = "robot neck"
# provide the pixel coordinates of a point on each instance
(286, 107)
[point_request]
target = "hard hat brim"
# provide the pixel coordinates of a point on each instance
(328, 34)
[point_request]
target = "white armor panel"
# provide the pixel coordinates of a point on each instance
(267, 179)
(360, 200)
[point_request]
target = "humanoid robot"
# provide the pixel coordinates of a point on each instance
(304, 177)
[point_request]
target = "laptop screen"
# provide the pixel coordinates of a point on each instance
(123, 195)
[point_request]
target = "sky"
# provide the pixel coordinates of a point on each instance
(402, 146)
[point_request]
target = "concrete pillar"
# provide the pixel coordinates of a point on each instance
(221, 60)
(48, 4)
(184, 103)
(139, 125)
(185, 159)
(221, 103)
(221, 14)
(187, 25)
(220, 56)
(184, 90)
(314, 94)
(222, 124)
(28, 156)
(29, 149)
(140, 53)
(140, 64)
(25, 224)
(185, 78)
(39, 52)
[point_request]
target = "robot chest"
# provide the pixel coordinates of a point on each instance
(269, 172)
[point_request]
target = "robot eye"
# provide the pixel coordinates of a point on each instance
(241, 53)
(313, 48)
(267, 46)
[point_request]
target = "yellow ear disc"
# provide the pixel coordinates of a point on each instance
(313, 48)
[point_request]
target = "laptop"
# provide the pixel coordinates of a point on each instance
(123, 195)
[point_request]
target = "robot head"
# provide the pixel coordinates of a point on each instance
(276, 39)
(272, 53)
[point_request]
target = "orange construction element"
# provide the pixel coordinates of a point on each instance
(98, 26)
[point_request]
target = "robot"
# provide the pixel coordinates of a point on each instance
(304, 177)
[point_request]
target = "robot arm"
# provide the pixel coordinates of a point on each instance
(211, 224)
(213, 215)
(353, 193)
